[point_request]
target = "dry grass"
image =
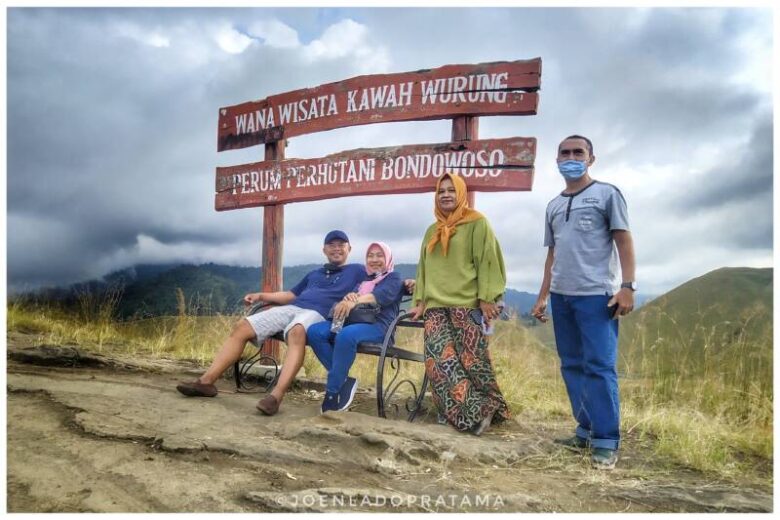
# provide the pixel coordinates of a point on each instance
(184, 336)
(709, 419)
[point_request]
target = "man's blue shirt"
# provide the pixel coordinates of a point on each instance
(321, 288)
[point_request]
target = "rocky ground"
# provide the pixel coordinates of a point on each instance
(98, 433)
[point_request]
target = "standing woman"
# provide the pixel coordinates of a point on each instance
(461, 269)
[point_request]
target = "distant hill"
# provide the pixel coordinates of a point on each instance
(207, 288)
(204, 292)
(147, 290)
(732, 301)
(151, 290)
(520, 301)
(728, 302)
(713, 333)
(214, 288)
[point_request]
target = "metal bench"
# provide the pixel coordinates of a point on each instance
(388, 368)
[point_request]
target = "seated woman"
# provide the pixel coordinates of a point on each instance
(337, 352)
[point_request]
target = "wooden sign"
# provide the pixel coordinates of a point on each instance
(498, 88)
(488, 165)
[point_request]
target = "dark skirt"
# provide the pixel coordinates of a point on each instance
(458, 365)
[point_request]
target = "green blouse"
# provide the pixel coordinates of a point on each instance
(473, 269)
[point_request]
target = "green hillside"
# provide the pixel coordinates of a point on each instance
(708, 342)
(710, 337)
(202, 293)
(205, 289)
(144, 291)
(729, 303)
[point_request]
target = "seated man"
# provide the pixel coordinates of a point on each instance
(304, 305)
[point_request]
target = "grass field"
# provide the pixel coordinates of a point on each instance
(714, 415)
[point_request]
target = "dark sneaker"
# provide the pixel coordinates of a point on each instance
(347, 393)
(603, 458)
(330, 403)
(573, 443)
(483, 425)
(197, 389)
(268, 405)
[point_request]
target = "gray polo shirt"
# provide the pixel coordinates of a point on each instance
(579, 226)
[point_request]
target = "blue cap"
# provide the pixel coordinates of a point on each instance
(336, 234)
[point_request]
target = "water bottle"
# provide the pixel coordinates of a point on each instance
(336, 325)
(487, 331)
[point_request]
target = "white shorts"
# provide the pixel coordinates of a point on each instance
(282, 318)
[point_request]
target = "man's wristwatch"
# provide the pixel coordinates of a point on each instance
(628, 285)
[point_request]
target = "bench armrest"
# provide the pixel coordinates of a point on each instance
(258, 307)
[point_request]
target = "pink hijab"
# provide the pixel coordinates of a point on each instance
(367, 287)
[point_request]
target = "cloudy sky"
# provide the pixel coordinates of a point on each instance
(112, 114)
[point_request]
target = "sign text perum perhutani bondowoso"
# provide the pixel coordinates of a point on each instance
(486, 165)
(419, 166)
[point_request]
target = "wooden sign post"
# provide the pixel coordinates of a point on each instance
(466, 128)
(273, 230)
(458, 92)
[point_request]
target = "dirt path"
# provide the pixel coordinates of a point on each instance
(110, 434)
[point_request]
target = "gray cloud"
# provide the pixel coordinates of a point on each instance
(745, 176)
(112, 141)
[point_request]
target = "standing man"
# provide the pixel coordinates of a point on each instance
(586, 233)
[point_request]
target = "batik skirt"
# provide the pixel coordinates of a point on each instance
(458, 364)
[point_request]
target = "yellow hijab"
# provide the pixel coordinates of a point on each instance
(445, 225)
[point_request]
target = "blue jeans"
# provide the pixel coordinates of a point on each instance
(587, 339)
(337, 352)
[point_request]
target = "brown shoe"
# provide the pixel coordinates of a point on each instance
(268, 405)
(197, 389)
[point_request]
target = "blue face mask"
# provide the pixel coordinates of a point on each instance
(572, 169)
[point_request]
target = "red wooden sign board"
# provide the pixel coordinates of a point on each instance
(489, 165)
(498, 88)
(459, 92)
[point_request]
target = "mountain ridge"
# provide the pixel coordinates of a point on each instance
(146, 290)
